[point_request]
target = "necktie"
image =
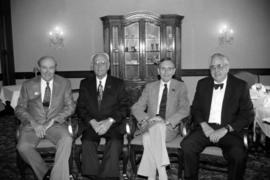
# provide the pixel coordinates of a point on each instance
(100, 94)
(47, 97)
(162, 106)
(216, 86)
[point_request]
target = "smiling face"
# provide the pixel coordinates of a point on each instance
(219, 68)
(101, 65)
(166, 70)
(47, 68)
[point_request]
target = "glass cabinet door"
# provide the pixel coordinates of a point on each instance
(115, 55)
(131, 51)
(152, 49)
(136, 43)
(169, 42)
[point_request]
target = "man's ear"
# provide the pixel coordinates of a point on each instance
(158, 71)
(174, 71)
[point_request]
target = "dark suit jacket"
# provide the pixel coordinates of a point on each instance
(237, 108)
(114, 102)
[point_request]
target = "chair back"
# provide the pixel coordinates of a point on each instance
(248, 77)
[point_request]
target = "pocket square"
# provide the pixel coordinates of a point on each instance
(36, 93)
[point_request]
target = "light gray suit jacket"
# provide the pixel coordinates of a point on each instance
(30, 108)
(177, 106)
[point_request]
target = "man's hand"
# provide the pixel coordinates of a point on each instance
(40, 131)
(105, 126)
(218, 134)
(49, 124)
(95, 125)
(169, 126)
(155, 119)
(207, 130)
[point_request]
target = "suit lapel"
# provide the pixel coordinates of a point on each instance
(92, 86)
(55, 88)
(208, 96)
(226, 99)
(37, 90)
(107, 89)
(170, 97)
(155, 91)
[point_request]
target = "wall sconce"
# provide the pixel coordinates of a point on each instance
(56, 37)
(225, 35)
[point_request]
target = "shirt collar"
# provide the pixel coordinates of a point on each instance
(162, 84)
(224, 81)
(103, 80)
(45, 82)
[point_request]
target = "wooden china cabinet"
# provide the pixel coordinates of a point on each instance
(136, 42)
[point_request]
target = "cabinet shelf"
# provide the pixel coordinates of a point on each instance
(152, 51)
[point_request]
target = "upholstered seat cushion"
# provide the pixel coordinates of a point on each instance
(45, 143)
(213, 150)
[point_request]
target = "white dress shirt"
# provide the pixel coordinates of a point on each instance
(103, 82)
(161, 87)
(216, 104)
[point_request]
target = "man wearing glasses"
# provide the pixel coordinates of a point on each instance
(221, 109)
(167, 104)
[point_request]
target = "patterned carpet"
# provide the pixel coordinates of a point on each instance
(258, 166)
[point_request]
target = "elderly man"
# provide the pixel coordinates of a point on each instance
(167, 104)
(102, 106)
(221, 109)
(43, 106)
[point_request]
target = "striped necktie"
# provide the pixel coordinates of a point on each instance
(163, 102)
(100, 94)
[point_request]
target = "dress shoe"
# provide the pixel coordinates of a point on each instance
(47, 175)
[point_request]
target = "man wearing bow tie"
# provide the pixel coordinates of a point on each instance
(221, 109)
(167, 104)
(43, 106)
(102, 106)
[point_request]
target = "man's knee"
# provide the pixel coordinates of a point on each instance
(187, 145)
(116, 145)
(238, 154)
(66, 140)
(23, 147)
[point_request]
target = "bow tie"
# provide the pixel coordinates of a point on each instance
(216, 86)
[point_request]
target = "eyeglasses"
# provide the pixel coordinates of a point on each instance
(218, 67)
(100, 63)
(167, 69)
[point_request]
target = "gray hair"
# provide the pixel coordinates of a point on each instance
(100, 54)
(224, 58)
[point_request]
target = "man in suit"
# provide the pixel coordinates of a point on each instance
(167, 104)
(221, 109)
(43, 106)
(102, 106)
